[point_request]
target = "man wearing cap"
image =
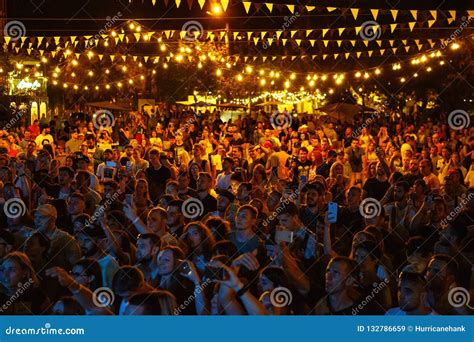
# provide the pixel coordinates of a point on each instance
(64, 250)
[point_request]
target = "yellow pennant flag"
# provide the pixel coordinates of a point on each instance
(249, 34)
(326, 42)
(222, 35)
(308, 32)
(201, 3)
(358, 53)
(100, 57)
(375, 13)
(167, 34)
(274, 57)
(41, 52)
(39, 39)
(116, 40)
(394, 50)
(391, 42)
(339, 42)
(412, 25)
(291, 8)
(278, 33)
(379, 42)
(357, 29)
(178, 2)
(262, 34)
(146, 58)
(29, 51)
(270, 41)
(246, 58)
(434, 14)
(330, 9)
(293, 58)
(452, 14)
(394, 14)
(225, 4)
(298, 41)
(77, 55)
(312, 41)
(393, 27)
(121, 35)
(347, 55)
(124, 58)
(137, 36)
(247, 6)
(284, 41)
(382, 52)
(450, 20)
(470, 14)
(112, 57)
(73, 39)
(325, 31)
(264, 58)
(255, 40)
(366, 42)
(355, 12)
(432, 43)
(182, 34)
(56, 40)
(341, 29)
(353, 42)
(269, 6)
(324, 57)
(336, 55)
(414, 13)
(370, 52)
(235, 34)
(407, 48)
(404, 41)
(293, 33)
(420, 47)
(153, 2)
(310, 8)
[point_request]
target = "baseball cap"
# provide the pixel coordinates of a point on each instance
(47, 210)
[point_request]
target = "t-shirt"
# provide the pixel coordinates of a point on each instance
(375, 188)
(244, 247)
(157, 181)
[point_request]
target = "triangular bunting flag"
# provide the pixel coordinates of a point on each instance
(247, 6)
(358, 53)
(324, 57)
(235, 34)
(375, 13)
(100, 57)
(370, 52)
(56, 40)
(434, 14)
(284, 41)
(124, 58)
(201, 3)
(291, 8)
(407, 48)
(269, 6)
(308, 32)
(404, 41)
(394, 50)
(222, 35)
(366, 42)
(357, 29)
(336, 55)
(137, 36)
(394, 14)
(339, 42)
(414, 13)
(278, 33)
(312, 41)
(347, 55)
(225, 4)
(121, 35)
(355, 12)
(178, 2)
(353, 42)
(310, 8)
(40, 39)
(379, 42)
(392, 27)
(298, 41)
(391, 42)
(270, 41)
(293, 33)
(73, 39)
(255, 40)
(452, 14)
(326, 42)
(325, 31)
(330, 9)
(412, 25)
(112, 57)
(341, 29)
(382, 52)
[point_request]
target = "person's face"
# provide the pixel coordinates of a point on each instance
(80, 275)
(76, 206)
(242, 193)
(194, 236)
(33, 249)
(82, 165)
(165, 262)
(64, 178)
(312, 197)
(439, 211)
(338, 170)
(425, 168)
(418, 262)
(154, 158)
(155, 221)
(398, 193)
(87, 245)
(222, 203)
(266, 284)
(353, 198)
(414, 166)
(380, 169)
(43, 223)
(372, 169)
(336, 277)
(144, 249)
(354, 143)
(303, 155)
(226, 165)
(174, 215)
(129, 152)
(244, 220)
(286, 220)
(203, 183)
(184, 180)
(107, 156)
(194, 171)
(436, 275)
(197, 152)
(4, 248)
(12, 273)
(31, 147)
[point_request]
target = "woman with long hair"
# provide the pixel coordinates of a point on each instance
(200, 243)
(194, 170)
(21, 289)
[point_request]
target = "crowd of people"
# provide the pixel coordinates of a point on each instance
(179, 213)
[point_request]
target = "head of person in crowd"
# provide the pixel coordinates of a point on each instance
(88, 273)
(198, 238)
(441, 276)
(175, 215)
(219, 227)
(155, 303)
(168, 260)
(45, 218)
(36, 247)
(225, 199)
(7, 241)
(148, 247)
(204, 182)
(418, 254)
(16, 269)
(246, 218)
(244, 192)
(67, 306)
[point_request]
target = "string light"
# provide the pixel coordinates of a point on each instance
(455, 46)
(219, 72)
